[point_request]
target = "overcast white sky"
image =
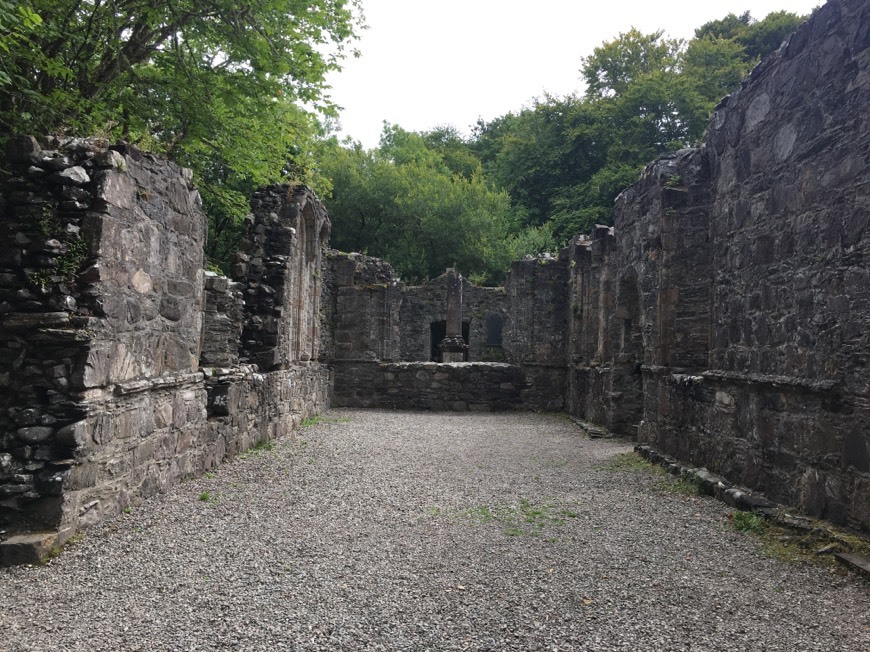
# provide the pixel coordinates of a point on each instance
(426, 63)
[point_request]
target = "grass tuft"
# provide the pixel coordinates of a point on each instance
(522, 519)
(748, 522)
(257, 449)
(685, 485)
(631, 461)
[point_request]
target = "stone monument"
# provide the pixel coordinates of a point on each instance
(453, 346)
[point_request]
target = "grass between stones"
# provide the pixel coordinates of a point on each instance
(633, 462)
(257, 449)
(630, 461)
(816, 544)
(524, 518)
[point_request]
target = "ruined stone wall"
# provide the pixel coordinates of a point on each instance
(457, 386)
(102, 288)
(279, 265)
(223, 321)
(273, 378)
(591, 298)
(640, 293)
(375, 319)
(536, 334)
(727, 322)
(790, 159)
(104, 315)
(425, 305)
(362, 299)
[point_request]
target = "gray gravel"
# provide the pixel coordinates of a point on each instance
(403, 531)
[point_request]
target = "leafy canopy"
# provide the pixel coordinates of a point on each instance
(230, 88)
(420, 201)
(533, 178)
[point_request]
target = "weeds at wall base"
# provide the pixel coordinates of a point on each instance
(782, 536)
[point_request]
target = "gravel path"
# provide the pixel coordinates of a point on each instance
(419, 531)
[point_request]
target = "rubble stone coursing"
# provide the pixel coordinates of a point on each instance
(102, 257)
(375, 319)
(103, 314)
(279, 266)
(456, 386)
(724, 319)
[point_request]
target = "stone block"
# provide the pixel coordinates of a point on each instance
(27, 548)
(21, 149)
(34, 434)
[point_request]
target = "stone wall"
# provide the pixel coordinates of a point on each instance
(264, 384)
(375, 319)
(726, 317)
(106, 320)
(456, 386)
(279, 265)
(536, 334)
(361, 302)
(102, 282)
(424, 308)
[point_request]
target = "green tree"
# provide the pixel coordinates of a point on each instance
(456, 153)
(763, 37)
(563, 161)
(715, 66)
(540, 150)
(728, 27)
(405, 202)
(17, 23)
(217, 86)
(757, 38)
(615, 65)
(578, 208)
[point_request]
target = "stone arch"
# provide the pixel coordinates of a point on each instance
(307, 286)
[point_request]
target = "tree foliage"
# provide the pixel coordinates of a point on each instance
(406, 201)
(615, 65)
(564, 160)
(755, 38)
(215, 85)
(532, 178)
(235, 90)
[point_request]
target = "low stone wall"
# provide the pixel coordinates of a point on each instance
(797, 440)
(458, 386)
(246, 407)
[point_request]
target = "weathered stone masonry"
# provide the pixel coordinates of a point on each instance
(103, 313)
(380, 326)
(724, 318)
